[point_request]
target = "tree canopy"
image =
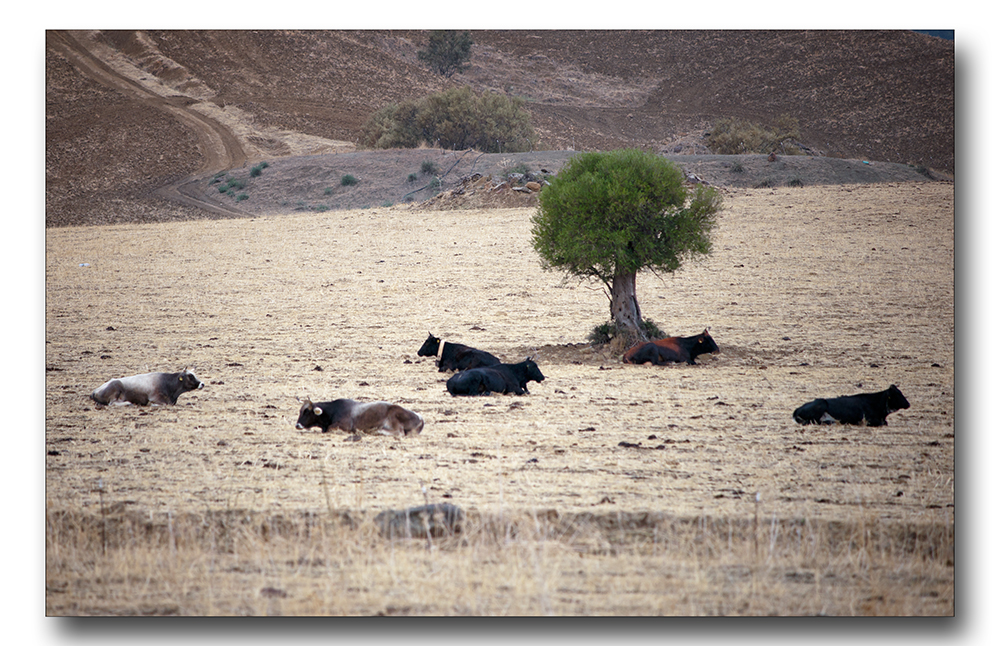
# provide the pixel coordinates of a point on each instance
(608, 215)
(447, 51)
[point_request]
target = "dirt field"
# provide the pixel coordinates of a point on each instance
(815, 291)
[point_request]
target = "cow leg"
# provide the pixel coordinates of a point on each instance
(392, 425)
(108, 393)
(157, 398)
(813, 413)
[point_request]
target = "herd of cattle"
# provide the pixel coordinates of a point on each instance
(480, 373)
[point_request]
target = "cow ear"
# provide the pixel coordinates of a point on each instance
(317, 410)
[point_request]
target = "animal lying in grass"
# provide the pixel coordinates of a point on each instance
(149, 388)
(455, 356)
(502, 378)
(863, 408)
(674, 349)
(355, 417)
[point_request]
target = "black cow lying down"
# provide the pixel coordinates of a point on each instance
(149, 388)
(354, 417)
(455, 356)
(863, 408)
(502, 378)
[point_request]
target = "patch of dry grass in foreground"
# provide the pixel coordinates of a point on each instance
(245, 563)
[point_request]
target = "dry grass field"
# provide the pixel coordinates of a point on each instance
(718, 503)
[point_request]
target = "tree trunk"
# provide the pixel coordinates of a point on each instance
(625, 307)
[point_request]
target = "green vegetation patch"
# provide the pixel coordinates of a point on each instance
(731, 136)
(453, 119)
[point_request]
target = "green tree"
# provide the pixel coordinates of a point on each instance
(447, 51)
(607, 215)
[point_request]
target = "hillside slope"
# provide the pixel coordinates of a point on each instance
(130, 116)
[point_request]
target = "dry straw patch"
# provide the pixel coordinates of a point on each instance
(810, 292)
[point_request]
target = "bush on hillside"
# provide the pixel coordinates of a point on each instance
(731, 136)
(447, 51)
(453, 119)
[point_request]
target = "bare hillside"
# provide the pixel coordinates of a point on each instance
(131, 115)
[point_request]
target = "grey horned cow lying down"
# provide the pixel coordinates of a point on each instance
(149, 388)
(356, 417)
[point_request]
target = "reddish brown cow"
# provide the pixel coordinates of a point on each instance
(671, 349)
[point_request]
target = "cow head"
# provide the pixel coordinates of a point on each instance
(534, 374)
(896, 400)
(189, 381)
(705, 344)
(309, 415)
(430, 346)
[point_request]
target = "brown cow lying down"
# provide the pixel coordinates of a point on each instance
(671, 349)
(149, 388)
(356, 417)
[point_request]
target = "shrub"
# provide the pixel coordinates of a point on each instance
(241, 197)
(447, 51)
(256, 170)
(429, 167)
(604, 333)
(456, 119)
(412, 177)
(235, 183)
(732, 136)
(328, 190)
(348, 180)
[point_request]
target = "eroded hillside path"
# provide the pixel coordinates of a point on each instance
(226, 136)
(220, 147)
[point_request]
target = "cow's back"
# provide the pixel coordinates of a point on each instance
(136, 389)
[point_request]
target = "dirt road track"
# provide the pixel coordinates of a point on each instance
(221, 149)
